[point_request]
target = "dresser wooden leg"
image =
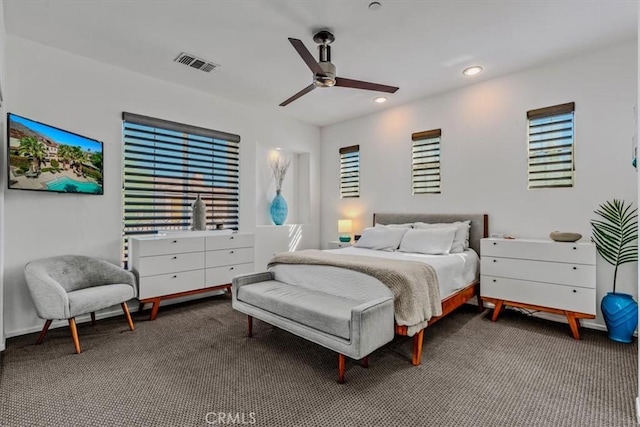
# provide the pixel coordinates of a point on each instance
(155, 308)
(45, 328)
(496, 310)
(416, 357)
(249, 326)
(341, 364)
(574, 324)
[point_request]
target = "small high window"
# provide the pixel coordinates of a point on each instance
(425, 168)
(350, 171)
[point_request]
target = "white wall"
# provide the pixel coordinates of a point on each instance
(88, 97)
(2, 181)
(483, 152)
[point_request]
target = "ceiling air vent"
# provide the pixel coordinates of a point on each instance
(195, 62)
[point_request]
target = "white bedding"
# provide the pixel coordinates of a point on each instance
(454, 271)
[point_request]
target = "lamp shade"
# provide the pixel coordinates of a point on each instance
(344, 226)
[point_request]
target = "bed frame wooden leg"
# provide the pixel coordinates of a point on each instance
(416, 357)
(480, 304)
(365, 362)
(341, 364)
(249, 326)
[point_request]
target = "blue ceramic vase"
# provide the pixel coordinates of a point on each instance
(279, 209)
(621, 316)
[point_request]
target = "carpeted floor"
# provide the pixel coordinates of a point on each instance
(194, 366)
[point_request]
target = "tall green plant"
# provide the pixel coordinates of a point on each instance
(616, 233)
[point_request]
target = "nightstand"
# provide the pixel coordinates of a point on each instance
(540, 275)
(337, 244)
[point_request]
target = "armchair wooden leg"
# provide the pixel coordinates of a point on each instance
(93, 318)
(125, 308)
(44, 331)
(74, 335)
(249, 326)
(341, 363)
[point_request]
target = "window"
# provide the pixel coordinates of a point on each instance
(551, 146)
(166, 166)
(350, 171)
(425, 168)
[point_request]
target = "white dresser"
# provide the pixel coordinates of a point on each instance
(186, 263)
(543, 275)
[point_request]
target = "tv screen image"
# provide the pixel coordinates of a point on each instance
(45, 158)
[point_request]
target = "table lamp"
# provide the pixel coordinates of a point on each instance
(344, 227)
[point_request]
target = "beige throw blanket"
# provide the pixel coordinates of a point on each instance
(414, 284)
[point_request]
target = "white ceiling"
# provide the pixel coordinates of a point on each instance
(420, 46)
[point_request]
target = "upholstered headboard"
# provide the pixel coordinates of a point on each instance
(479, 223)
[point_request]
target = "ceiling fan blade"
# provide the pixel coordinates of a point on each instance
(358, 84)
(304, 91)
(307, 57)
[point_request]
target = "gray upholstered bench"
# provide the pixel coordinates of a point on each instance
(351, 327)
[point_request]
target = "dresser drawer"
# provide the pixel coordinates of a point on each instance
(223, 275)
(164, 264)
(571, 298)
(229, 257)
(168, 245)
(229, 241)
(540, 271)
(165, 284)
(578, 253)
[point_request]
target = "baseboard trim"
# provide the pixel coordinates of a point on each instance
(638, 410)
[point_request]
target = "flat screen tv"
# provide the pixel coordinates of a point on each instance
(45, 158)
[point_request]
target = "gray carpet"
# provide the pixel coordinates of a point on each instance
(195, 359)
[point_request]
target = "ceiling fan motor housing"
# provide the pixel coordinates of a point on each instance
(328, 78)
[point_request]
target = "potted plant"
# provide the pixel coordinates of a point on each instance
(615, 236)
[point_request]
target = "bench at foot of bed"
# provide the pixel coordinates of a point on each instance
(351, 328)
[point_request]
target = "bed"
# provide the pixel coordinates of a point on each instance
(458, 274)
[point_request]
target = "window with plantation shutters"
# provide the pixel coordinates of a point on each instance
(167, 165)
(350, 171)
(425, 168)
(551, 146)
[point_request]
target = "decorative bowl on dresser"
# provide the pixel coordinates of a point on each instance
(187, 263)
(540, 275)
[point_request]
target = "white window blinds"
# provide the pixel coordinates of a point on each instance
(425, 168)
(551, 146)
(350, 171)
(166, 166)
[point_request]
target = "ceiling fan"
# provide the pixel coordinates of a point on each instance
(324, 72)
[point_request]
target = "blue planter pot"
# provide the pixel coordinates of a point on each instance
(279, 209)
(621, 316)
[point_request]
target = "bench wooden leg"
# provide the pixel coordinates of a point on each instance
(416, 357)
(365, 362)
(249, 326)
(496, 310)
(44, 331)
(125, 308)
(341, 364)
(93, 318)
(74, 335)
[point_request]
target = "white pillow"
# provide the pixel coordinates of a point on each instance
(381, 238)
(461, 239)
(431, 241)
(407, 225)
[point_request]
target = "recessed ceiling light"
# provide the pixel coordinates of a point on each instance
(278, 148)
(380, 100)
(375, 5)
(472, 71)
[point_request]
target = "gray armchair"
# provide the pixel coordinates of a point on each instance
(64, 287)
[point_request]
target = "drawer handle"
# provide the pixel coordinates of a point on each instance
(174, 241)
(231, 268)
(494, 280)
(495, 260)
(174, 277)
(575, 268)
(495, 243)
(175, 257)
(574, 291)
(574, 248)
(231, 237)
(230, 252)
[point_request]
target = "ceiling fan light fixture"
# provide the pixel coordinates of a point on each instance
(375, 5)
(380, 100)
(472, 71)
